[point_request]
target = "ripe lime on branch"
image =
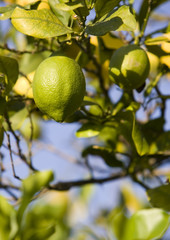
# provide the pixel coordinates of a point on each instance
(129, 67)
(58, 87)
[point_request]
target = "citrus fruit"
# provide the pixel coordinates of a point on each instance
(58, 87)
(129, 67)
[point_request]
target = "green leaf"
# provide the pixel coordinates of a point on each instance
(91, 102)
(117, 221)
(146, 225)
(38, 23)
(68, 6)
(6, 12)
(17, 119)
(88, 130)
(157, 50)
(139, 139)
(40, 222)
(8, 225)
(83, 11)
(63, 16)
(157, 40)
(119, 20)
(104, 6)
(31, 185)
(159, 197)
(105, 153)
(2, 105)
(8, 74)
(161, 143)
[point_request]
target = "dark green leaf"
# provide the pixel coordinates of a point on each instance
(104, 6)
(161, 143)
(38, 23)
(83, 11)
(153, 129)
(119, 20)
(2, 105)
(8, 74)
(157, 50)
(105, 153)
(159, 197)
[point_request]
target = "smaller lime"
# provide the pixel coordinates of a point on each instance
(129, 67)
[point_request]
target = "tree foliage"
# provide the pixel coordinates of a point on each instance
(127, 129)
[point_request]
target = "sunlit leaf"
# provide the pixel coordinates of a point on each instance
(8, 225)
(139, 139)
(17, 119)
(38, 23)
(68, 6)
(146, 224)
(31, 185)
(119, 20)
(88, 130)
(63, 16)
(157, 40)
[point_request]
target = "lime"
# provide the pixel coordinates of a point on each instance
(58, 87)
(129, 67)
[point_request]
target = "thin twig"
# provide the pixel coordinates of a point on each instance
(18, 52)
(11, 157)
(87, 50)
(22, 156)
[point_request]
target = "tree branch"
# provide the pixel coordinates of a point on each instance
(63, 186)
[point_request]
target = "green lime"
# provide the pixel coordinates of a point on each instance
(58, 87)
(129, 67)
